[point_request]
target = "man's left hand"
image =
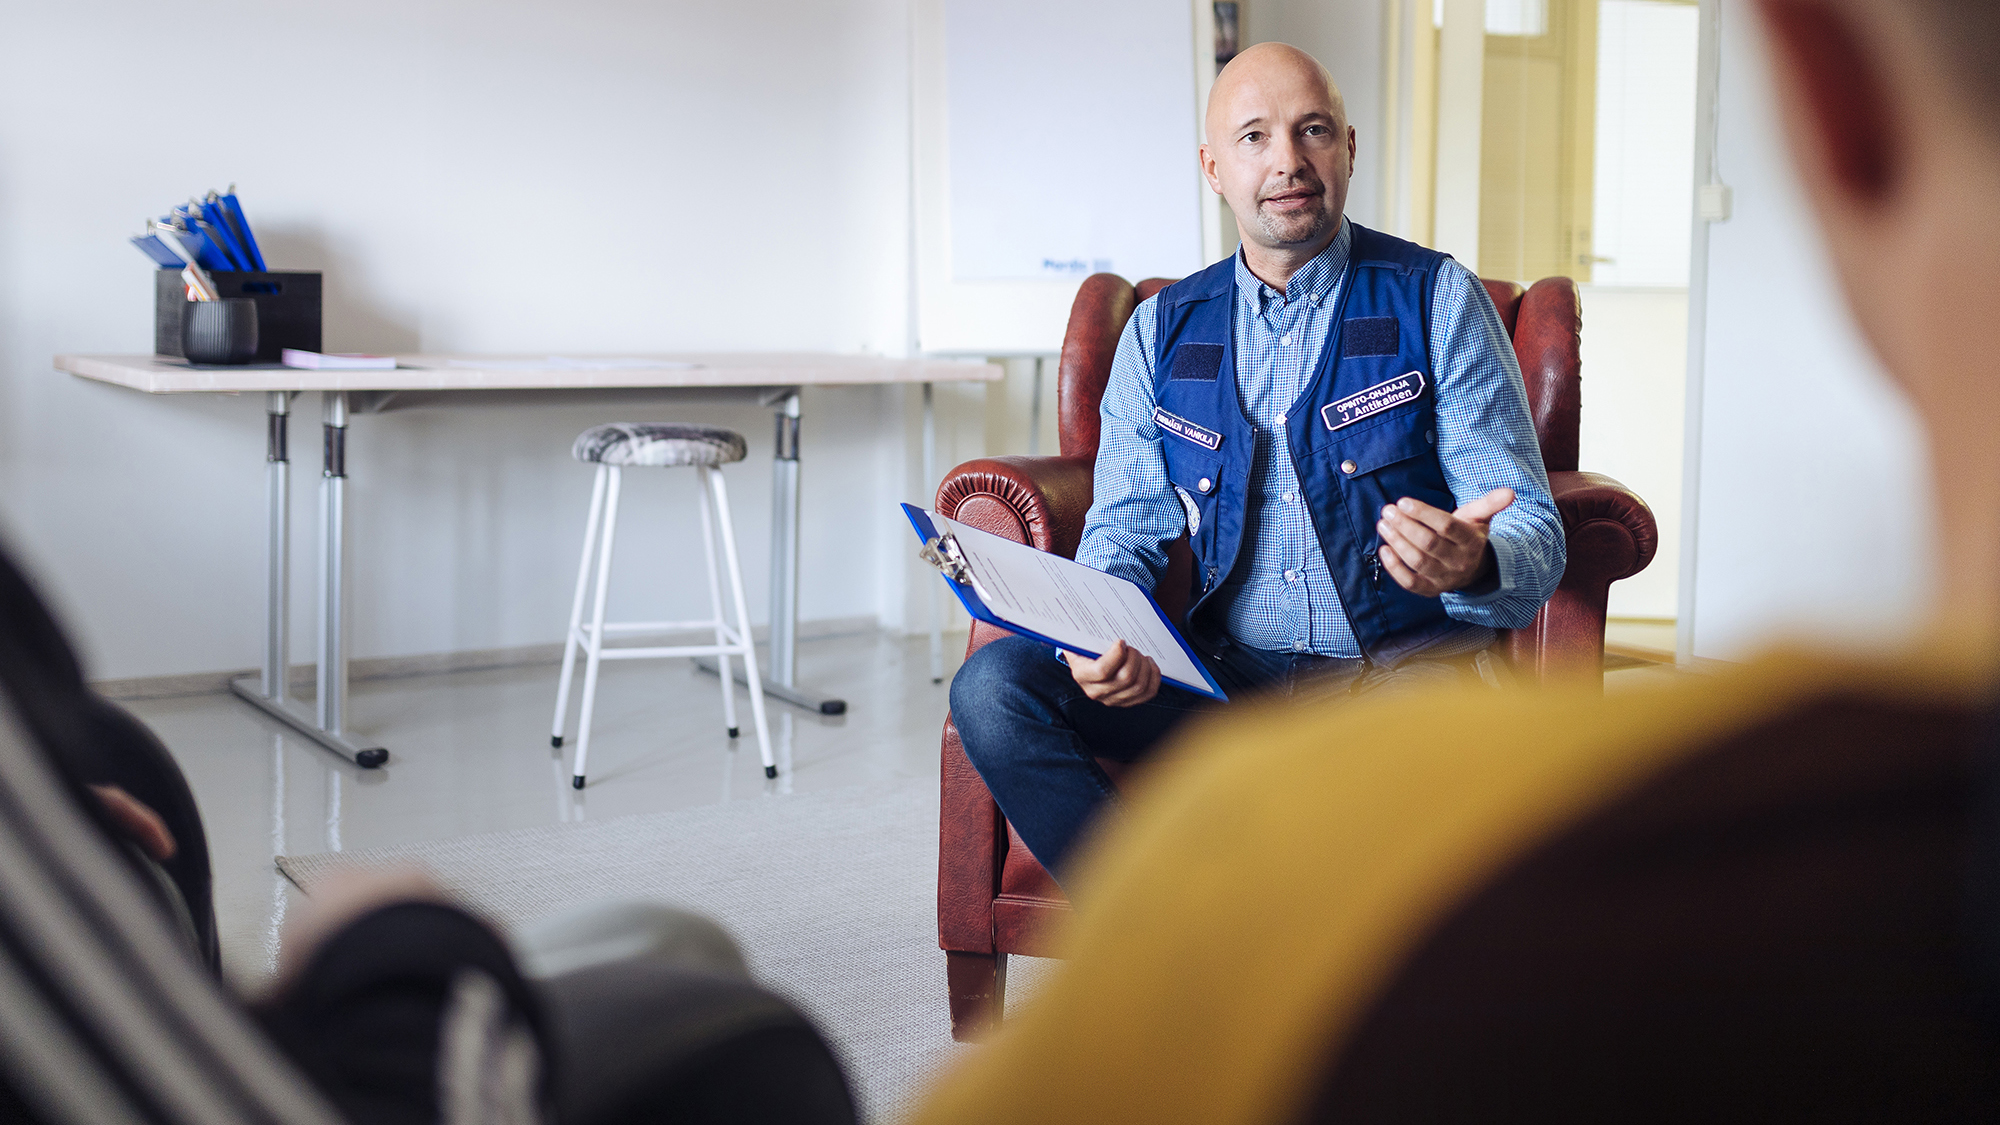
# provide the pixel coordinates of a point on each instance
(1430, 551)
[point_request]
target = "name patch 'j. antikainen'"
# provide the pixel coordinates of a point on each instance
(1373, 400)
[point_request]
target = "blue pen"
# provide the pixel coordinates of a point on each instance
(229, 244)
(249, 241)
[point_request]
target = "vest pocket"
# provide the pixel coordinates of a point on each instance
(1378, 448)
(1193, 471)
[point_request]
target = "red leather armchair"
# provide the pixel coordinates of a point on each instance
(992, 895)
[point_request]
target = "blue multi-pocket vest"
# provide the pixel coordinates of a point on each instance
(1362, 435)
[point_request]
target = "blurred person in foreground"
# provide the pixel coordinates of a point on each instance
(392, 1005)
(1766, 895)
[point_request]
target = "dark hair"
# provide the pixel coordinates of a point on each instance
(1966, 34)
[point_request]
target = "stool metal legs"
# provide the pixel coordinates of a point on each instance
(600, 532)
(594, 644)
(715, 608)
(745, 644)
(571, 638)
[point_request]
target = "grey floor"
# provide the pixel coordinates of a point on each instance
(470, 754)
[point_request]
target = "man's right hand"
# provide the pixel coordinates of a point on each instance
(1122, 677)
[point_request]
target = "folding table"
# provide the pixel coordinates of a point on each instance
(779, 375)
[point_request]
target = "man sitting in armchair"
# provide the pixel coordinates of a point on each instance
(1336, 421)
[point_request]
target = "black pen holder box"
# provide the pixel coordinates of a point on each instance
(287, 309)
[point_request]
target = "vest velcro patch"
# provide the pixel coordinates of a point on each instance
(1201, 362)
(1369, 335)
(1372, 401)
(1182, 428)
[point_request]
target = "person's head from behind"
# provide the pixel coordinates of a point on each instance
(1892, 108)
(1279, 147)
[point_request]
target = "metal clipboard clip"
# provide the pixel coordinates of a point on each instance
(941, 551)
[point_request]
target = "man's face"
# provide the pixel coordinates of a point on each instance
(1280, 153)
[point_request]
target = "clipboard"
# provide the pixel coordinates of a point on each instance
(1084, 592)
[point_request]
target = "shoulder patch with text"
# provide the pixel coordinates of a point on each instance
(1182, 428)
(1374, 400)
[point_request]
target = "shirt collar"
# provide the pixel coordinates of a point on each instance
(1314, 281)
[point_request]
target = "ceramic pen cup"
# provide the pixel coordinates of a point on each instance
(222, 331)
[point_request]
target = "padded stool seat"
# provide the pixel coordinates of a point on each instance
(658, 445)
(613, 448)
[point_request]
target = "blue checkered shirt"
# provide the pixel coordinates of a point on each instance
(1281, 598)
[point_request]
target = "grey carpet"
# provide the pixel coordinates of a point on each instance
(832, 896)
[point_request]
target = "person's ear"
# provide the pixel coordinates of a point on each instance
(1842, 110)
(1207, 161)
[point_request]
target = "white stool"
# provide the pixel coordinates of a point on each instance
(613, 448)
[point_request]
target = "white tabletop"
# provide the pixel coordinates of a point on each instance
(164, 375)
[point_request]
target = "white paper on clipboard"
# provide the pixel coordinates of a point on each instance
(1066, 601)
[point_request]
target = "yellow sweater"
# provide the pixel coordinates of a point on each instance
(1269, 877)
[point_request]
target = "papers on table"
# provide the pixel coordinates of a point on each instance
(1055, 599)
(336, 361)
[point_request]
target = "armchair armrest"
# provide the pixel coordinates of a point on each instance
(1610, 530)
(1040, 501)
(1610, 534)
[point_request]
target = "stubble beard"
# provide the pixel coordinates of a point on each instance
(1294, 230)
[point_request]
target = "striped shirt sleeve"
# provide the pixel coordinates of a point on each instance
(1486, 440)
(1134, 513)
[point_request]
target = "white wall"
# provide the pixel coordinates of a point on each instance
(1347, 37)
(1643, 183)
(596, 175)
(1812, 507)
(1635, 314)
(1634, 380)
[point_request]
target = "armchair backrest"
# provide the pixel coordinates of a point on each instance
(1544, 321)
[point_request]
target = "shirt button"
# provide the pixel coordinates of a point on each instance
(1348, 466)
(1291, 576)
(1285, 340)
(1204, 484)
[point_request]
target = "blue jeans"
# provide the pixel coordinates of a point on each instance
(1034, 735)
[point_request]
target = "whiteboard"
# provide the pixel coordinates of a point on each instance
(1050, 141)
(1069, 149)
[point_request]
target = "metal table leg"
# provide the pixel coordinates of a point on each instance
(268, 690)
(781, 682)
(785, 543)
(277, 552)
(332, 698)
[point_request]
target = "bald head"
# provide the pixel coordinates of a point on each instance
(1280, 150)
(1266, 65)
